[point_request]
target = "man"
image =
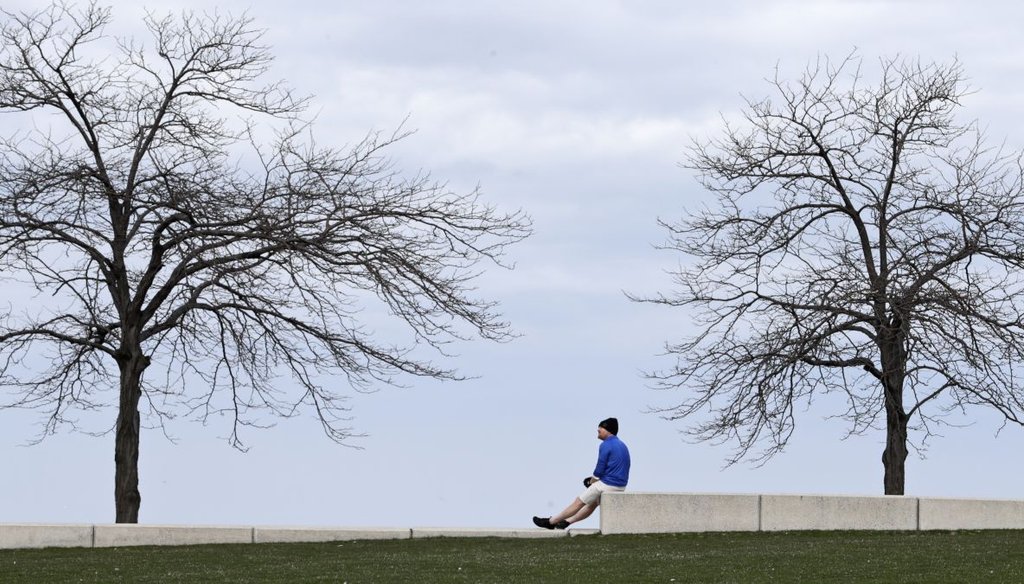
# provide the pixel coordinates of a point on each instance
(610, 475)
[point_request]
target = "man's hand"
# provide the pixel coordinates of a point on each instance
(587, 481)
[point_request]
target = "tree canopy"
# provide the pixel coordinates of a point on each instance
(864, 242)
(186, 256)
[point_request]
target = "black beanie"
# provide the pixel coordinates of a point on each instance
(611, 424)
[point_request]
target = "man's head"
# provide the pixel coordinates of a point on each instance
(607, 428)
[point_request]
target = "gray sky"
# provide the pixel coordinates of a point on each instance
(579, 113)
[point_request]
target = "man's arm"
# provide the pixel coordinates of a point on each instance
(602, 461)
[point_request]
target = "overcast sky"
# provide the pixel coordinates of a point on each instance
(578, 113)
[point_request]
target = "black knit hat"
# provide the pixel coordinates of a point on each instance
(611, 424)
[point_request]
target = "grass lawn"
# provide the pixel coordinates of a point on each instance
(815, 557)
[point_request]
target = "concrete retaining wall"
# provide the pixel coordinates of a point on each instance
(681, 512)
(674, 513)
(124, 535)
(39, 536)
(315, 534)
(627, 512)
(816, 512)
(971, 514)
(421, 532)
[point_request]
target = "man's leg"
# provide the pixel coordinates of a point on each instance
(570, 511)
(583, 513)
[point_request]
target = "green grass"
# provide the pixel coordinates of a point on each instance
(848, 557)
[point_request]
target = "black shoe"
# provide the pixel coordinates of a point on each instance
(544, 522)
(561, 524)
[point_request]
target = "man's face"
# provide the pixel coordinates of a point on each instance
(602, 433)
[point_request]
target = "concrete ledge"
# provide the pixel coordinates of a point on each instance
(621, 513)
(320, 534)
(971, 514)
(421, 532)
(677, 512)
(123, 535)
(818, 512)
(40, 536)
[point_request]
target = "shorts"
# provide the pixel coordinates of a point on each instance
(592, 496)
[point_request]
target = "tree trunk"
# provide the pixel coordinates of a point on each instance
(895, 455)
(894, 367)
(126, 440)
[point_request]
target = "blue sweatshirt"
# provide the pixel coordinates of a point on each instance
(613, 462)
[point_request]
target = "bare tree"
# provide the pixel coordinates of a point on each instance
(186, 276)
(864, 243)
